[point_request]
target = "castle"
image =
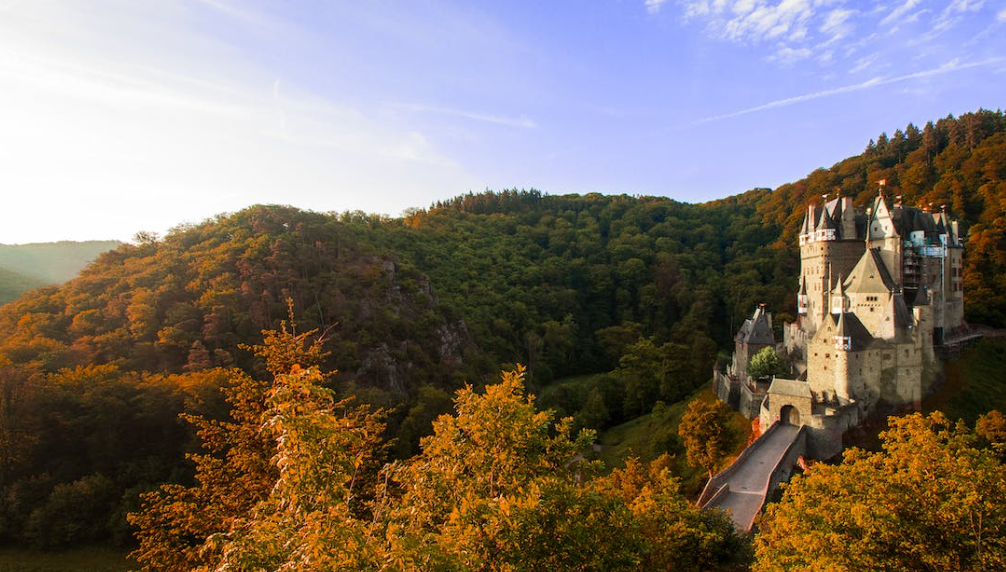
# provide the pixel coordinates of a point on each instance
(877, 290)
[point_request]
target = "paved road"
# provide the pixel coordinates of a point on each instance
(749, 483)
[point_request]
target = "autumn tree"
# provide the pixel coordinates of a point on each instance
(673, 533)
(289, 451)
(496, 488)
(326, 452)
(707, 433)
(931, 500)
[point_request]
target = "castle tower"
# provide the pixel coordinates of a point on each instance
(843, 345)
(829, 245)
(882, 234)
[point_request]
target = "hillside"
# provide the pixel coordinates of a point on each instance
(13, 284)
(645, 290)
(27, 266)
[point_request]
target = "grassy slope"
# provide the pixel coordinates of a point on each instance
(80, 560)
(651, 435)
(975, 383)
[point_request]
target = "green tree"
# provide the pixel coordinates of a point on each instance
(766, 363)
(930, 501)
(594, 414)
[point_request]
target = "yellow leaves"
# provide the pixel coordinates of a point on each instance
(909, 507)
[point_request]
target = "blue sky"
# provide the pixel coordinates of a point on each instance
(120, 116)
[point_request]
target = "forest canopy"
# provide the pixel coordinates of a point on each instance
(644, 292)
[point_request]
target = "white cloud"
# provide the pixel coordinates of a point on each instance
(785, 20)
(788, 56)
(898, 13)
(864, 63)
(653, 6)
(836, 24)
(844, 35)
(956, 12)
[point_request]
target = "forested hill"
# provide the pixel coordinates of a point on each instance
(561, 284)
(647, 288)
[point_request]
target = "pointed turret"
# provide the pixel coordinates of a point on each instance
(838, 303)
(805, 229)
(801, 296)
(826, 230)
(881, 224)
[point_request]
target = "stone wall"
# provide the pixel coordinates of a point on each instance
(737, 395)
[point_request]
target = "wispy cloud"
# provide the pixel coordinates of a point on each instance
(653, 6)
(834, 32)
(863, 63)
(754, 20)
(521, 122)
(788, 56)
(949, 67)
(956, 11)
(899, 12)
(836, 24)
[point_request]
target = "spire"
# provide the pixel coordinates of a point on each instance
(881, 224)
(838, 297)
(843, 339)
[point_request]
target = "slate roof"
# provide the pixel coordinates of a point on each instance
(870, 275)
(757, 329)
(790, 387)
(849, 326)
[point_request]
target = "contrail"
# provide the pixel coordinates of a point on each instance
(951, 66)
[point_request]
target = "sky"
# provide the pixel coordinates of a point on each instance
(119, 116)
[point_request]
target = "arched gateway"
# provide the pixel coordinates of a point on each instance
(789, 415)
